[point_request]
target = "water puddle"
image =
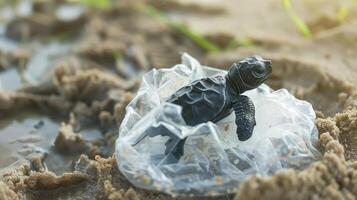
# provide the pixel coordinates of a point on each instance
(30, 132)
(25, 133)
(10, 79)
(44, 58)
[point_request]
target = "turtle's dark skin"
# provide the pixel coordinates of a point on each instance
(213, 98)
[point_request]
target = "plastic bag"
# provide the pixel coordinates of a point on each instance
(215, 162)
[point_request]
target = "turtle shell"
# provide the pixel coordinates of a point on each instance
(202, 100)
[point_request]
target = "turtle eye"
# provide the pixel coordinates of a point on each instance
(259, 69)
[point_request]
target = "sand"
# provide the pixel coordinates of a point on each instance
(57, 132)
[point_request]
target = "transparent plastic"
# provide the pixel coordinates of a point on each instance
(215, 162)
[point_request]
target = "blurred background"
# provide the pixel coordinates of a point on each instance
(69, 68)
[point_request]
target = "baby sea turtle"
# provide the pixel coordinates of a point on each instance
(213, 98)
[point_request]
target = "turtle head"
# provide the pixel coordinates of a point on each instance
(249, 73)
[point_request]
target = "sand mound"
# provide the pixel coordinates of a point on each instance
(81, 97)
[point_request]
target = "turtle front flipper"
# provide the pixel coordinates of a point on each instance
(245, 116)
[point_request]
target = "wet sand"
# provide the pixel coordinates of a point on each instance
(66, 82)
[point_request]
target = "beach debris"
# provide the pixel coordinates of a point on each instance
(214, 162)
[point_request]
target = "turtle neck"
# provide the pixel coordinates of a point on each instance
(235, 81)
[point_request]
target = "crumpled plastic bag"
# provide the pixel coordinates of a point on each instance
(215, 162)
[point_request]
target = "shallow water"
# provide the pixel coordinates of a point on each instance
(25, 132)
(10, 79)
(31, 132)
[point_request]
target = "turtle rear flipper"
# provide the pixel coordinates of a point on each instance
(174, 149)
(174, 145)
(245, 116)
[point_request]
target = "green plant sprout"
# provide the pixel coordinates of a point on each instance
(299, 23)
(118, 55)
(236, 42)
(342, 13)
(99, 4)
(196, 38)
(245, 42)
(232, 44)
